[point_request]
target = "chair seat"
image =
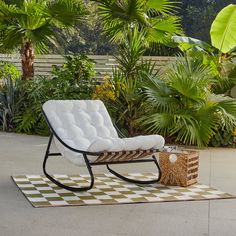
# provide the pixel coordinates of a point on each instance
(127, 144)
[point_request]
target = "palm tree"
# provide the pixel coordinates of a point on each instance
(182, 105)
(29, 25)
(155, 17)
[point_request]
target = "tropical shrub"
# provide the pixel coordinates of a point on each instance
(134, 25)
(122, 92)
(78, 70)
(78, 67)
(181, 105)
(123, 100)
(106, 91)
(10, 100)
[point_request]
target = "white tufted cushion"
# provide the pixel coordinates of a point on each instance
(127, 144)
(86, 125)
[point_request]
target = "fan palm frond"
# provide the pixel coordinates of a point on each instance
(159, 123)
(195, 126)
(155, 18)
(163, 6)
(161, 96)
(66, 13)
(225, 107)
(189, 78)
(11, 38)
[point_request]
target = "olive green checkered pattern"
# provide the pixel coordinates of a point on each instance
(108, 189)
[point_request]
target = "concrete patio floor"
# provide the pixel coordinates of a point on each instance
(22, 154)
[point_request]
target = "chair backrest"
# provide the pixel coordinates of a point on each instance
(79, 122)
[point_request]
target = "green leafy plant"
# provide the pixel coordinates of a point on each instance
(182, 105)
(10, 100)
(129, 53)
(223, 32)
(78, 70)
(222, 139)
(79, 67)
(8, 69)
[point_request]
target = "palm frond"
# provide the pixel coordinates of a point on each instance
(160, 96)
(189, 78)
(64, 12)
(42, 38)
(125, 11)
(8, 12)
(196, 126)
(225, 108)
(146, 68)
(163, 6)
(12, 37)
(168, 24)
(159, 123)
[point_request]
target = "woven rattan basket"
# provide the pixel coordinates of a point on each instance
(179, 168)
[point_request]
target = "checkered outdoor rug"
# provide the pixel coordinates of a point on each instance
(108, 190)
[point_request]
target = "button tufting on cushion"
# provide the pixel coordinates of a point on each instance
(86, 125)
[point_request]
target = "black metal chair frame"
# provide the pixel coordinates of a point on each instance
(90, 164)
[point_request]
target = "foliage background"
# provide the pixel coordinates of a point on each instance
(196, 15)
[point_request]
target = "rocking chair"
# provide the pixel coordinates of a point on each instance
(85, 135)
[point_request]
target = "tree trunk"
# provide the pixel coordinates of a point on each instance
(27, 61)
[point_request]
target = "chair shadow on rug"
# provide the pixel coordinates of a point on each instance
(85, 135)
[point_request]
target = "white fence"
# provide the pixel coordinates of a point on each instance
(103, 63)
